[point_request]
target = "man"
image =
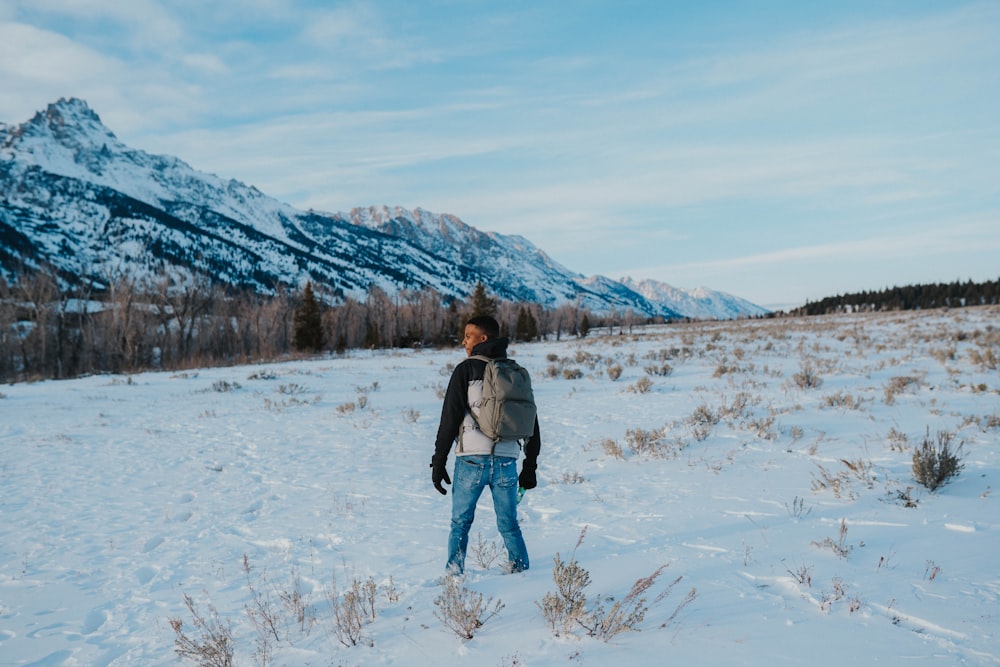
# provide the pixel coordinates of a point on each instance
(479, 462)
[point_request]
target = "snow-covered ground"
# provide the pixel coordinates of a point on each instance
(794, 519)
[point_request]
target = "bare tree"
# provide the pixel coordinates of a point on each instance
(175, 321)
(36, 291)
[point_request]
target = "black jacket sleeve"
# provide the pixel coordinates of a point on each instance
(453, 410)
(532, 448)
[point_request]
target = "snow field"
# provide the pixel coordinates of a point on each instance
(122, 494)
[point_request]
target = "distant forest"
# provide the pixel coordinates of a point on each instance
(155, 323)
(912, 297)
(134, 325)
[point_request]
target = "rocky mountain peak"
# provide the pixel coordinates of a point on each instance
(71, 123)
(82, 201)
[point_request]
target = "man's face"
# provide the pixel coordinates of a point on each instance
(473, 337)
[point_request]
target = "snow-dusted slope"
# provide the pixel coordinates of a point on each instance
(699, 303)
(78, 199)
(525, 271)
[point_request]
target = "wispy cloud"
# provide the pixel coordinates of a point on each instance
(141, 22)
(946, 237)
(521, 120)
(38, 66)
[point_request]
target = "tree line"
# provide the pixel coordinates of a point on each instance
(912, 297)
(132, 325)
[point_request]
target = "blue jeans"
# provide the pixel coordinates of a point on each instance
(472, 475)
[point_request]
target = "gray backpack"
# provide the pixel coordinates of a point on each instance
(508, 411)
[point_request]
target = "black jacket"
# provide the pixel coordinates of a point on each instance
(456, 403)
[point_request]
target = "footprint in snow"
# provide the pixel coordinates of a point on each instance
(146, 574)
(152, 543)
(254, 507)
(94, 620)
(53, 659)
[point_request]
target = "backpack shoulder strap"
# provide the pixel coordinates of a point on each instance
(488, 360)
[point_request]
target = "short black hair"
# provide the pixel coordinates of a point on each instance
(489, 326)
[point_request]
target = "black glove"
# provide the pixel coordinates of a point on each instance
(439, 473)
(527, 480)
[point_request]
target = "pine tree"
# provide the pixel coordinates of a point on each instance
(482, 304)
(372, 337)
(521, 329)
(308, 323)
(527, 326)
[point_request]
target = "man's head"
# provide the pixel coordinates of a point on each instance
(479, 329)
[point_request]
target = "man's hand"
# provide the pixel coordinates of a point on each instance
(527, 480)
(439, 473)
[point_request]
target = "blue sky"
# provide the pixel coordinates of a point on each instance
(779, 151)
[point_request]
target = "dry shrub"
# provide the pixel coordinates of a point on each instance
(644, 442)
(352, 609)
(935, 464)
(798, 509)
(624, 615)
(663, 354)
(462, 610)
(702, 420)
(763, 427)
(838, 546)
(223, 386)
(612, 448)
(807, 378)
(897, 385)
(802, 575)
(725, 368)
(663, 370)
(738, 408)
(985, 357)
(566, 609)
(842, 399)
(839, 483)
(641, 386)
(898, 441)
(827, 598)
(485, 552)
(263, 614)
(212, 645)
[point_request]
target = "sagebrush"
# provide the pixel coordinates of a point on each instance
(567, 609)
(463, 610)
(935, 463)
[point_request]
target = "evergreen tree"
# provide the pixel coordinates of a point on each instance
(482, 304)
(527, 326)
(584, 326)
(308, 323)
(522, 330)
(372, 337)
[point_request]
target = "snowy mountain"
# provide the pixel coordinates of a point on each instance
(79, 200)
(700, 303)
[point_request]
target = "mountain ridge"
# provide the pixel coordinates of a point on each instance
(80, 200)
